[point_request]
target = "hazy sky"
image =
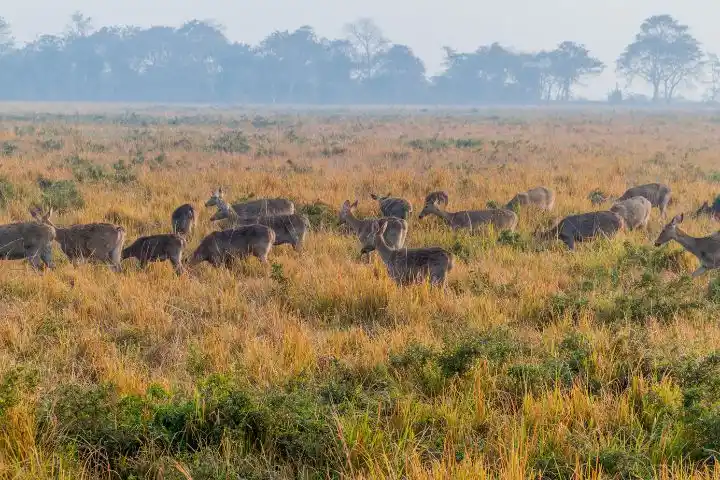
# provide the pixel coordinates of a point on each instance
(605, 27)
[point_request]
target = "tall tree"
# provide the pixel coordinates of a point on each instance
(713, 77)
(369, 44)
(664, 54)
(79, 25)
(569, 63)
(6, 39)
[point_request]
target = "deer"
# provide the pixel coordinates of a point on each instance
(393, 206)
(289, 229)
(658, 194)
(706, 249)
(97, 242)
(499, 218)
(395, 230)
(712, 211)
(440, 197)
(183, 219)
(415, 265)
(583, 226)
(221, 247)
(254, 208)
(635, 211)
(29, 240)
(156, 248)
(540, 197)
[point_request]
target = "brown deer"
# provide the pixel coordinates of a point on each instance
(221, 247)
(183, 219)
(658, 194)
(583, 226)
(96, 242)
(393, 206)
(540, 197)
(706, 249)
(395, 230)
(438, 198)
(289, 229)
(156, 248)
(29, 240)
(253, 208)
(635, 211)
(407, 266)
(499, 218)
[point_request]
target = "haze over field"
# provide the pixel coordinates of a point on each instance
(426, 26)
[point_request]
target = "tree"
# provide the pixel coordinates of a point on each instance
(664, 54)
(400, 76)
(6, 39)
(79, 26)
(713, 77)
(369, 44)
(569, 62)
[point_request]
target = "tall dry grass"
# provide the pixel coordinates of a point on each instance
(534, 362)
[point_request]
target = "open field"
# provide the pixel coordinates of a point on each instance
(534, 362)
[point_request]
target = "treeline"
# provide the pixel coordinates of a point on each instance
(197, 63)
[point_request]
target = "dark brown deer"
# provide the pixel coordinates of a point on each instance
(222, 247)
(183, 219)
(95, 242)
(583, 226)
(438, 198)
(393, 206)
(414, 265)
(705, 249)
(635, 211)
(253, 208)
(29, 240)
(157, 248)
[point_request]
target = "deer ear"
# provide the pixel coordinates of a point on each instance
(354, 204)
(678, 219)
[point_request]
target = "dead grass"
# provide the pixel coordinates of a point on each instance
(321, 321)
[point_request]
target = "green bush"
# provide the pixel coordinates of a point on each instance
(233, 141)
(62, 195)
(7, 191)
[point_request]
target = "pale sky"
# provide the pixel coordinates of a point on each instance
(605, 27)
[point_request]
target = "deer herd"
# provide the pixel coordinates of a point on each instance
(254, 227)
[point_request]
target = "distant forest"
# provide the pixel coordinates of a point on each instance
(197, 63)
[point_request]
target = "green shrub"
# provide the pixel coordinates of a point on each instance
(7, 191)
(62, 195)
(233, 141)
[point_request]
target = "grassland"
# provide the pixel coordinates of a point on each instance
(535, 362)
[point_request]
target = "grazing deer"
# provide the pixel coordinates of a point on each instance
(221, 247)
(635, 211)
(395, 230)
(183, 219)
(407, 266)
(584, 226)
(156, 248)
(290, 229)
(29, 240)
(98, 242)
(712, 211)
(254, 208)
(540, 197)
(499, 218)
(706, 249)
(438, 198)
(658, 194)
(393, 206)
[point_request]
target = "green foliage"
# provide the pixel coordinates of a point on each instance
(232, 141)
(123, 173)
(321, 215)
(7, 191)
(51, 144)
(84, 170)
(62, 195)
(8, 149)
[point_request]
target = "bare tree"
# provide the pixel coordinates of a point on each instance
(713, 77)
(369, 43)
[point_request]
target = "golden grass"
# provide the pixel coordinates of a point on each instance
(88, 325)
